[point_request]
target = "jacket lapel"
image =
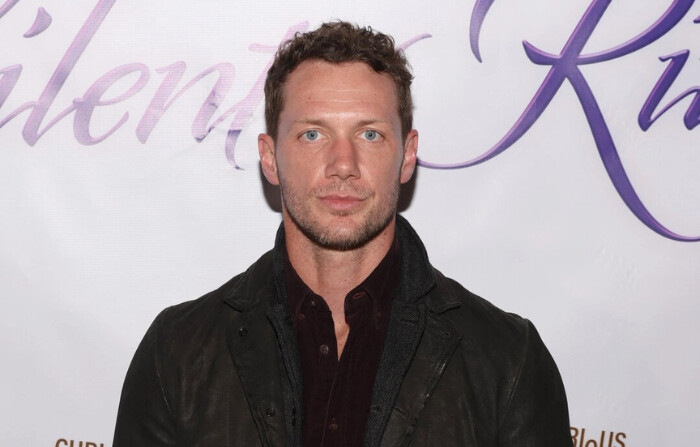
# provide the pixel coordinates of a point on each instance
(282, 322)
(436, 347)
(253, 348)
(404, 332)
(260, 340)
(418, 345)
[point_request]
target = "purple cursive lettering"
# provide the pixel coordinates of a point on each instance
(95, 95)
(565, 66)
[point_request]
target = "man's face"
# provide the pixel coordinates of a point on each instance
(339, 155)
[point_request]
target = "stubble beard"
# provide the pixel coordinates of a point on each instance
(376, 221)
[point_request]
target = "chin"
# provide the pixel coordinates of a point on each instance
(345, 236)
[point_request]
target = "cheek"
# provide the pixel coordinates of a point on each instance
(296, 175)
(391, 168)
(387, 176)
(289, 165)
(382, 172)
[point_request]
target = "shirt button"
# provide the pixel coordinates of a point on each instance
(333, 426)
(324, 349)
(301, 316)
(357, 295)
(313, 303)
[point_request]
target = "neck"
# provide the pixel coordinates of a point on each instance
(333, 273)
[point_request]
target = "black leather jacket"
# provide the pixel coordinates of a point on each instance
(456, 371)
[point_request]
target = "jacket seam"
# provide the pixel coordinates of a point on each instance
(158, 367)
(518, 375)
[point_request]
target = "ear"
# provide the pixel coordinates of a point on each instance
(266, 150)
(410, 150)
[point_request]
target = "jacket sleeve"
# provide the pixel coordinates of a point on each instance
(145, 417)
(537, 414)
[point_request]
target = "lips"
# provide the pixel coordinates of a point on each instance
(341, 203)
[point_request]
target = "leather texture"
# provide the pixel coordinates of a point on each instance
(455, 371)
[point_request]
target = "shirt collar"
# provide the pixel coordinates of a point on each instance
(380, 285)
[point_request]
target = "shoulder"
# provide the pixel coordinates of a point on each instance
(499, 350)
(503, 342)
(475, 316)
(499, 368)
(206, 317)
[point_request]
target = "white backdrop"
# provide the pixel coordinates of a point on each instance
(106, 220)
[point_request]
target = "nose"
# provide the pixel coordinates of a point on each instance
(342, 159)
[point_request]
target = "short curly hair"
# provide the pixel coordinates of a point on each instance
(338, 42)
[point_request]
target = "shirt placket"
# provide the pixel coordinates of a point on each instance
(327, 355)
(358, 313)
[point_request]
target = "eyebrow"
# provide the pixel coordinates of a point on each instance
(321, 122)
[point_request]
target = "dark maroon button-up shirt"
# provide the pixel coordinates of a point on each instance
(337, 392)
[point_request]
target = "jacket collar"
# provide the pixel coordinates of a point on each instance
(417, 277)
(416, 280)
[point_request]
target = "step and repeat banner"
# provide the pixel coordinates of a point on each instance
(559, 179)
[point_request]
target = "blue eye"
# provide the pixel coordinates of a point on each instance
(371, 135)
(311, 135)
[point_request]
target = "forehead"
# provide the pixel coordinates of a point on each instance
(351, 85)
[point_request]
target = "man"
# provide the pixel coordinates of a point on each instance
(343, 334)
